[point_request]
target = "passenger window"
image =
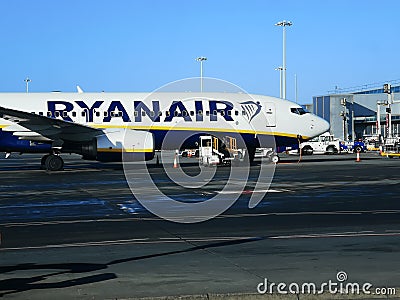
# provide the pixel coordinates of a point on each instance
(40, 113)
(236, 113)
(160, 113)
(200, 112)
(135, 113)
(57, 114)
(152, 114)
(83, 113)
(243, 112)
(192, 113)
(167, 113)
(143, 113)
(65, 114)
(207, 113)
(74, 114)
(49, 114)
(176, 113)
(97, 114)
(106, 114)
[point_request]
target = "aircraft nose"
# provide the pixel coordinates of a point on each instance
(321, 125)
(318, 126)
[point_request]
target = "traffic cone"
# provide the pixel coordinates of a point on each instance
(175, 162)
(358, 156)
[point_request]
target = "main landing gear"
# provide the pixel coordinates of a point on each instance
(52, 162)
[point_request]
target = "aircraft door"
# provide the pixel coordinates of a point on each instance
(83, 116)
(270, 112)
(97, 116)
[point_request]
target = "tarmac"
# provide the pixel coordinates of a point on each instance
(80, 233)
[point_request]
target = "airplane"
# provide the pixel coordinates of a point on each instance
(106, 126)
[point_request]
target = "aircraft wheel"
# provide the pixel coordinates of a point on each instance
(275, 159)
(43, 161)
(54, 163)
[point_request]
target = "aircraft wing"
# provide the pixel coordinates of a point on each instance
(49, 128)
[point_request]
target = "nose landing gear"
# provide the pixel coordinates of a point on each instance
(52, 162)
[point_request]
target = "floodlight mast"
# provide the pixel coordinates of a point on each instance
(27, 80)
(201, 59)
(283, 24)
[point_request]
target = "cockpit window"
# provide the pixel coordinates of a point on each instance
(298, 110)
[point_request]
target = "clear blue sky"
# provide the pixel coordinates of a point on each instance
(128, 45)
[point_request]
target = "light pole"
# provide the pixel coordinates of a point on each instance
(201, 59)
(27, 80)
(280, 80)
(283, 24)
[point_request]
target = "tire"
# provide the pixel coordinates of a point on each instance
(43, 161)
(54, 163)
(331, 150)
(307, 150)
(275, 159)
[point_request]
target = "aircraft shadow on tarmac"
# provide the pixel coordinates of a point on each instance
(22, 284)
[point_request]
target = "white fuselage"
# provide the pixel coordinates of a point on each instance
(225, 113)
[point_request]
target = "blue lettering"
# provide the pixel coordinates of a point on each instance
(89, 115)
(120, 108)
(177, 109)
(51, 106)
(223, 111)
(154, 115)
(199, 110)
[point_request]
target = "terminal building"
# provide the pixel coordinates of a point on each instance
(352, 112)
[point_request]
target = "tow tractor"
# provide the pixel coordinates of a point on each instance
(324, 144)
(213, 152)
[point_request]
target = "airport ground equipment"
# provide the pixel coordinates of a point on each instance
(324, 144)
(356, 146)
(213, 151)
(391, 147)
(268, 153)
